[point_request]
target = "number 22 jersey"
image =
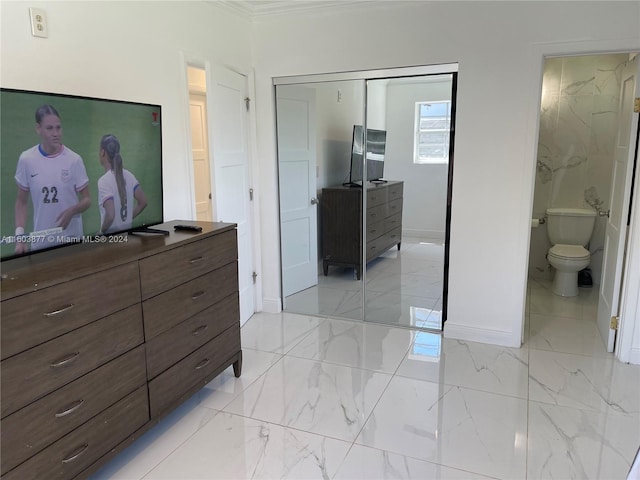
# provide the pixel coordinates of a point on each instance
(53, 182)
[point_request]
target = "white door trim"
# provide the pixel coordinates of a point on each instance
(537, 54)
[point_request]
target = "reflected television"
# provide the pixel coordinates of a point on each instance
(374, 148)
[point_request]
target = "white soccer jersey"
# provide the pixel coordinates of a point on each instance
(53, 183)
(108, 188)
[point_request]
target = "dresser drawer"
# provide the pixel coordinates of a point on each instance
(42, 369)
(394, 207)
(171, 346)
(166, 270)
(168, 309)
(393, 222)
(395, 191)
(376, 196)
(34, 318)
(168, 387)
(376, 214)
(382, 244)
(73, 453)
(29, 430)
(374, 230)
(393, 237)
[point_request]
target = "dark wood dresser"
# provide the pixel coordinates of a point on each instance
(101, 340)
(341, 223)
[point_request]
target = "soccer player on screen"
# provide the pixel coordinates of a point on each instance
(57, 181)
(120, 195)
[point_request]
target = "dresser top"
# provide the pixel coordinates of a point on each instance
(44, 269)
(370, 186)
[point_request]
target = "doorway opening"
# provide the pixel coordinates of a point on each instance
(583, 165)
(204, 201)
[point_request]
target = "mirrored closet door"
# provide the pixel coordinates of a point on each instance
(364, 179)
(319, 246)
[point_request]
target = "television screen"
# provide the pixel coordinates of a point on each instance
(74, 167)
(357, 152)
(375, 150)
(376, 146)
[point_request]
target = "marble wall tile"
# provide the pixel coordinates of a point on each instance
(578, 75)
(578, 127)
(609, 73)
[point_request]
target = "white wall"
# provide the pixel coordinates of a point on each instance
(499, 48)
(130, 51)
(334, 121)
(133, 51)
(425, 185)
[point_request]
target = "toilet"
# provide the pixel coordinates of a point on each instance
(569, 231)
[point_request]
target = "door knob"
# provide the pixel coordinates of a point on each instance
(314, 201)
(604, 213)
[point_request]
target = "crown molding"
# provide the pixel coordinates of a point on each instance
(261, 9)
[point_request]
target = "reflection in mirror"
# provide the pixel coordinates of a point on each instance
(315, 124)
(405, 285)
(399, 157)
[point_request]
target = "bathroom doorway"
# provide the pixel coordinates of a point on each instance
(577, 143)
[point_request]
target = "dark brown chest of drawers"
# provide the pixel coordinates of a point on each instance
(99, 341)
(341, 223)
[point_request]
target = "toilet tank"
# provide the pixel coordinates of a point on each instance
(570, 226)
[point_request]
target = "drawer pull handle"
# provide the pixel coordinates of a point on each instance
(200, 329)
(196, 260)
(202, 364)
(63, 361)
(66, 308)
(76, 405)
(76, 453)
(197, 295)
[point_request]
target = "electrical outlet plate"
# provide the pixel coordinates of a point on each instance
(38, 23)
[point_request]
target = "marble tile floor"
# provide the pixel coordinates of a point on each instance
(403, 287)
(323, 398)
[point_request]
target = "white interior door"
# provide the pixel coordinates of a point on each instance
(230, 147)
(200, 150)
(296, 125)
(616, 230)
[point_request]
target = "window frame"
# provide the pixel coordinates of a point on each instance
(417, 131)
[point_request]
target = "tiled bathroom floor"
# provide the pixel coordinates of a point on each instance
(323, 398)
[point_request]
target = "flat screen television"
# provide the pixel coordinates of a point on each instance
(374, 148)
(60, 158)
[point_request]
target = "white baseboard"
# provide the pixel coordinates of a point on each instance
(634, 357)
(426, 234)
(481, 335)
(271, 305)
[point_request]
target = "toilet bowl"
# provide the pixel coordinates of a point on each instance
(569, 230)
(567, 260)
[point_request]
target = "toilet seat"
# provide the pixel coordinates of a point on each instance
(569, 252)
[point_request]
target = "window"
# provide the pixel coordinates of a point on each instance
(432, 124)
